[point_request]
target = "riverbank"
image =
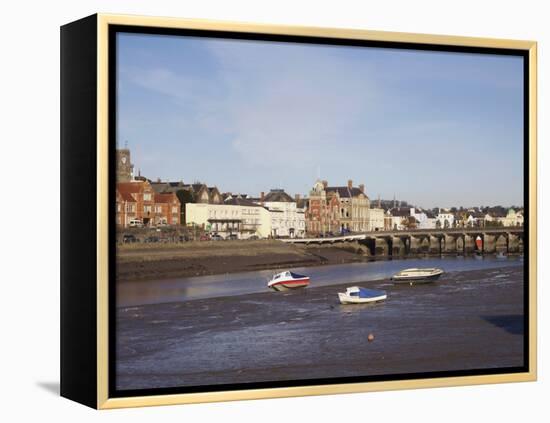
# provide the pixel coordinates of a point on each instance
(467, 320)
(161, 261)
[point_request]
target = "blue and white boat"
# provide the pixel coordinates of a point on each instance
(358, 295)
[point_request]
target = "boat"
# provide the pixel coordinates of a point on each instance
(416, 275)
(288, 280)
(500, 255)
(479, 245)
(358, 295)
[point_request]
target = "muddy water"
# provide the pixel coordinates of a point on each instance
(190, 288)
(467, 320)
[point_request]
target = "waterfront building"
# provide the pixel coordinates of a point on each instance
(188, 193)
(137, 201)
(323, 210)
(286, 219)
(512, 218)
(354, 206)
(375, 219)
(126, 209)
(425, 219)
(445, 219)
(235, 217)
(397, 219)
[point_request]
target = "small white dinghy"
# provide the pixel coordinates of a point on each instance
(358, 295)
(288, 280)
(415, 275)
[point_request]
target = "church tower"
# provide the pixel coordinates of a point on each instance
(124, 167)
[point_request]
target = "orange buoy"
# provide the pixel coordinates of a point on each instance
(370, 338)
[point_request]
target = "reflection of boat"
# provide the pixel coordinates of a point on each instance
(501, 255)
(357, 295)
(416, 275)
(288, 280)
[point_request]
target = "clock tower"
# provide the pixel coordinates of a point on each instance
(124, 167)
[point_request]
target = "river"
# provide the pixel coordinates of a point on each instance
(231, 284)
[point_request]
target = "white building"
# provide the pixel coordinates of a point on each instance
(424, 221)
(235, 217)
(445, 219)
(286, 219)
(512, 218)
(375, 219)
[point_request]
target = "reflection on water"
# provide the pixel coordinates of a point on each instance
(190, 288)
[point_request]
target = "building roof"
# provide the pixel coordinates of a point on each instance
(399, 212)
(346, 192)
(164, 197)
(197, 187)
(169, 186)
(126, 196)
(130, 187)
(236, 201)
(278, 196)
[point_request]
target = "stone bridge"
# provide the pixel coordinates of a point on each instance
(430, 241)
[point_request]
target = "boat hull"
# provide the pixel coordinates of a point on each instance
(416, 278)
(290, 284)
(348, 299)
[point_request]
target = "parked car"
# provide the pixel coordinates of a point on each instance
(204, 237)
(135, 223)
(254, 237)
(233, 236)
(152, 239)
(129, 238)
(183, 238)
(216, 237)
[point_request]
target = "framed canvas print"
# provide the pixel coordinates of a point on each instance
(257, 211)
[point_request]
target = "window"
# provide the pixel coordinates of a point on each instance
(147, 196)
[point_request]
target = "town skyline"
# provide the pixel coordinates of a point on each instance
(202, 109)
(399, 202)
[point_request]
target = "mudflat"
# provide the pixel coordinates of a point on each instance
(467, 320)
(199, 258)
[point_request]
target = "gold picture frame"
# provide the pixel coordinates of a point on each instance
(98, 27)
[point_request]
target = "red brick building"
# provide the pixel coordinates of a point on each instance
(138, 204)
(323, 210)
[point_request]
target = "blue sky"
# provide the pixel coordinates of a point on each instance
(432, 128)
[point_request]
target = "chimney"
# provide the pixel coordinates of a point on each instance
(362, 188)
(350, 184)
(325, 184)
(262, 196)
(297, 197)
(158, 180)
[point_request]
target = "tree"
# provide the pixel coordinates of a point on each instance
(184, 197)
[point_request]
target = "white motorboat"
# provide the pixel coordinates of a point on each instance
(415, 275)
(288, 280)
(358, 295)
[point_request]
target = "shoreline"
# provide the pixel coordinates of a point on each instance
(226, 257)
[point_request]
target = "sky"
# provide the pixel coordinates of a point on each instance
(431, 128)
